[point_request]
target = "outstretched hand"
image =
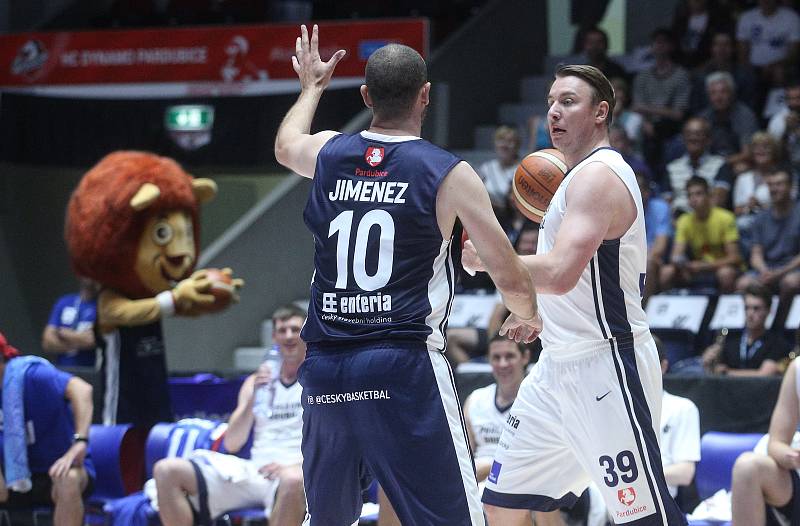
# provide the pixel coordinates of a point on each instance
(312, 71)
(521, 331)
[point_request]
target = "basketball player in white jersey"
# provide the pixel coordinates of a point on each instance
(772, 479)
(198, 489)
(586, 412)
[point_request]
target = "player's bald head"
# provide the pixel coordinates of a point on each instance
(394, 75)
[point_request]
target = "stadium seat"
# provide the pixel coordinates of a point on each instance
(117, 452)
(718, 452)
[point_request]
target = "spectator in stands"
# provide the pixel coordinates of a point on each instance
(595, 53)
(769, 38)
(785, 125)
(723, 58)
(757, 351)
(619, 140)
(658, 224)
(661, 95)
(48, 412)
(771, 480)
(696, 162)
(694, 23)
(732, 123)
(498, 173)
(624, 117)
(269, 406)
(750, 192)
(706, 247)
(775, 249)
(70, 328)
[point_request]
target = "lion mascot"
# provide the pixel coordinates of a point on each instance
(132, 225)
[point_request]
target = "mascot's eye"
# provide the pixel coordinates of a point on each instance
(162, 233)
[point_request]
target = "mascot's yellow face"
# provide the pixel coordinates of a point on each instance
(166, 250)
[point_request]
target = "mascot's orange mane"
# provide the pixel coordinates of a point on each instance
(102, 228)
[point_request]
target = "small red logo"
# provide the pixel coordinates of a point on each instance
(626, 496)
(374, 155)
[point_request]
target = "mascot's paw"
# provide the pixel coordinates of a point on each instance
(207, 291)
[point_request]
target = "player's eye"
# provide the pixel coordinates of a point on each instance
(162, 233)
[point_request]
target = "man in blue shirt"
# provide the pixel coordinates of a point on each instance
(57, 413)
(69, 331)
(658, 226)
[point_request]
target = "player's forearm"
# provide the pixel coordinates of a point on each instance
(679, 474)
(79, 394)
(518, 292)
(297, 121)
(239, 425)
(548, 276)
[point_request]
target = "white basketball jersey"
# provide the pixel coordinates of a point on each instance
(607, 300)
(486, 420)
(277, 433)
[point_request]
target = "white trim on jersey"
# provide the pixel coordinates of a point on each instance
(458, 430)
(440, 297)
(111, 395)
(372, 136)
(643, 452)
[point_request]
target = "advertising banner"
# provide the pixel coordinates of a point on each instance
(207, 61)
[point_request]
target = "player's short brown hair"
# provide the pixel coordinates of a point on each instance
(602, 90)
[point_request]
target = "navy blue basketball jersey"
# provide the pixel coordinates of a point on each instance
(381, 267)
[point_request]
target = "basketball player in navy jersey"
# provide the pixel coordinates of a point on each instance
(588, 409)
(378, 395)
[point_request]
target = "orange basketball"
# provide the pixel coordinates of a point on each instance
(536, 180)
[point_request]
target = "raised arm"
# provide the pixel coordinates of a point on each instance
(295, 147)
(599, 207)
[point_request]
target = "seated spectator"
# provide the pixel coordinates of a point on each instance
(775, 249)
(273, 476)
(723, 58)
(658, 226)
(70, 328)
(630, 121)
(757, 351)
(696, 162)
(768, 36)
(750, 192)
(595, 53)
(706, 247)
(694, 23)
(771, 480)
(619, 140)
(498, 173)
(49, 413)
(785, 125)
(661, 96)
(732, 123)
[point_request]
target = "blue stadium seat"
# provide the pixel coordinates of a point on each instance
(718, 452)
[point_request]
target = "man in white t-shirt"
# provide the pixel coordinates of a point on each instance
(768, 34)
(202, 487)
(498, 173)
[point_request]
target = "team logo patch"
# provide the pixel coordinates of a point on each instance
(626, 496)
(494, 473)
(374, 155)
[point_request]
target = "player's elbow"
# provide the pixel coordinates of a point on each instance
(282, 152)
(563, 282)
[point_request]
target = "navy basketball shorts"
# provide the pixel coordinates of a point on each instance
(387, 411)
(586, 412)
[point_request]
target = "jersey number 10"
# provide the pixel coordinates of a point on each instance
(342, 225)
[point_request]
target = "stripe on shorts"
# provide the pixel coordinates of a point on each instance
(458, 431)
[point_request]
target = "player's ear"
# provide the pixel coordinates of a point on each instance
(425, 94)
(602, 111)
(365, 96)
